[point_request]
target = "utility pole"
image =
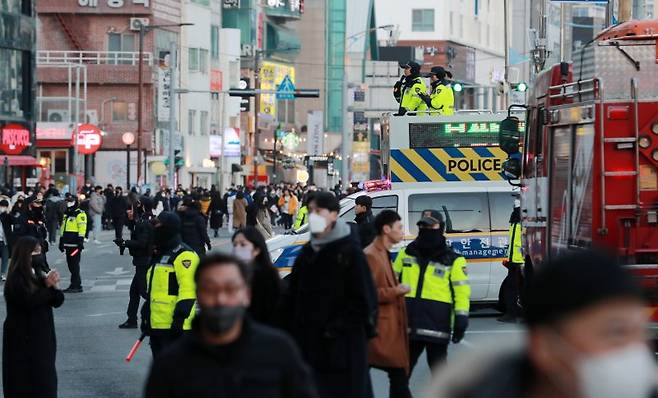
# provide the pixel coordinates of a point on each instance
(256, 111)
(625, 10)
(173, 57)
(563, 26)
(506, 44)
(140, 84)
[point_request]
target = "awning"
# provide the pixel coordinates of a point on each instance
(20, 160)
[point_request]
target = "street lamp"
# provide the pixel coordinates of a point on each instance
(143, 29)
(128, 139)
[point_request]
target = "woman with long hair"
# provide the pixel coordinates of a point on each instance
(29, 344)
(249, 246)
(263, 221)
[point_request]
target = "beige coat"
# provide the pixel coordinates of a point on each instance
(391, 346)
(240, 213)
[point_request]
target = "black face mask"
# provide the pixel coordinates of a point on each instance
(430, 239)
(220, 319)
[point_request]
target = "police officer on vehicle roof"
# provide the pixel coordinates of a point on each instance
(71, 241)
(441, 100)
(439, 289)
(169, 306)
(408, 89)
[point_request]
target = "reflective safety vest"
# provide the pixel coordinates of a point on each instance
(439, 290)
(442, 100)
(171, 289)
(74, 228)
(302, 215)
(514, 254)
(411, 101)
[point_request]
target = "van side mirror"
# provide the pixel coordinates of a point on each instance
(509, 136)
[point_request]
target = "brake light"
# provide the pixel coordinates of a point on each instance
(377, 185)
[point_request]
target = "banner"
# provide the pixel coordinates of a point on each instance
(315, 134)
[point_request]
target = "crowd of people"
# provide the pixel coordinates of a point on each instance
(228, 325)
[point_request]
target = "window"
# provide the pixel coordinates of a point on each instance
(422, 20)
(191, 116)
(500, 207)
(203, 123)
(60, 161)
(462, 212)
(14, 69)
(119, 111)
(214, 42)
(118, 42)
(203, 60)
(379, 204)
(476, 8)
(193, 59)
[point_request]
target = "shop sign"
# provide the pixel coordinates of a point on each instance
(112, 3)
(15, 138)
(232, 146)
(54, 131)
(215, 80)
(89, 139)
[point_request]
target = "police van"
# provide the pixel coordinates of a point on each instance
(451, 164)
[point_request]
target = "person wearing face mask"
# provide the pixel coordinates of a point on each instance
(263, 219)
(29, 345)
(34, 225)
(441, 100)
(586, 338)
(140, 247)
(170, 294)
(409, 90)
(514, 263)
(71, 241)
(439, 299)
(364, 219)
(249, 246)
(228, 354)
(118, 207)
(330, 306)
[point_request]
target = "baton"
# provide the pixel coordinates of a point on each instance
(135, 347)
(74, 252)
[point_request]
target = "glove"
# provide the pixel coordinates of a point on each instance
(61, 246)
(397, 90)
(145, 328)
(81, 243)
(426, 98)
(459, 328)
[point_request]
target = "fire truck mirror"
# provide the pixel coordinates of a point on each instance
(512, 168)
(509, 135)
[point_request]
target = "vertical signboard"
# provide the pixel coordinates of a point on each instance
(271, 74)
(315, 134)
(164, 86)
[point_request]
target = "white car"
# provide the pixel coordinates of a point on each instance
(477, 223)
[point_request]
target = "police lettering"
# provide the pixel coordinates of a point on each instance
(474, 165)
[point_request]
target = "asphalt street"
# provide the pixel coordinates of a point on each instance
(91, 349)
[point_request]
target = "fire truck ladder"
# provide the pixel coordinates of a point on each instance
(621, 143)
(69, 33)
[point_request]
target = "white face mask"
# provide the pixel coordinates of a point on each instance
(517, 203)
(244, 253)
(70, 204)
(628, 372)
(317, 223)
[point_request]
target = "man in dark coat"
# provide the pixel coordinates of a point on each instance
(331, 304)
(140, 247)
(118, 207)
(227, 354)
(364, 219)
(194, 230)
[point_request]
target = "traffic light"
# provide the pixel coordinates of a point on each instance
(520, 87)
(457, 87)
(178, 159)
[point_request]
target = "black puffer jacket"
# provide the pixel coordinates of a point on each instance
(193, 231)
(140, 244)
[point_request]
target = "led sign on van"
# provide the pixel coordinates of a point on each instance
(464, 134)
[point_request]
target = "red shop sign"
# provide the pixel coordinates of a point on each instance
(15, 138)
(89, 139)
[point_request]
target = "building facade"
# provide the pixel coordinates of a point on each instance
(17, 92)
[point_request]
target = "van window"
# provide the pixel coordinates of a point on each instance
(501, 205)
(462, 212)
(379, 203)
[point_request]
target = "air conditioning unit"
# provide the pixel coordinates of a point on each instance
(137, 23)
(58, 115)
(91, 117)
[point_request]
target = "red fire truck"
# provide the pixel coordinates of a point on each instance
(589, 168)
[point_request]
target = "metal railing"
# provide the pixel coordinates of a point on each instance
(46, 57)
